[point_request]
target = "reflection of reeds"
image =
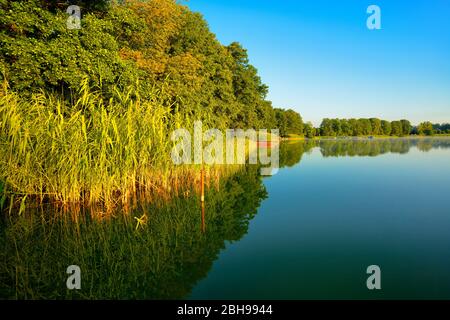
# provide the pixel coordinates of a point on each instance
(161, 257)
(91, 152)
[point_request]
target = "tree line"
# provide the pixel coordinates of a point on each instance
(364, 127)
(369, 127)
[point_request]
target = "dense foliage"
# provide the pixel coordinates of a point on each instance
(443, 128)
(364, 127)
(146, 44)
(425, 128)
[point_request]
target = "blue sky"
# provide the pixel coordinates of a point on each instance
(319, 58)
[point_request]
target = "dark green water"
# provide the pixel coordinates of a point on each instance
(311, 231)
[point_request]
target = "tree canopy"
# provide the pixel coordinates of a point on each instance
(425, 128)
(364, 127)
(157, 44)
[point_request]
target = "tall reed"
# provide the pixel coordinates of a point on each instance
(90, 151)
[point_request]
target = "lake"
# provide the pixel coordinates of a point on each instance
(345, 206)
(308, 232)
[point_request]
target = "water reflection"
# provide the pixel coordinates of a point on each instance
(166, 258)
(327, 220)
(291, 153)
(366, 147)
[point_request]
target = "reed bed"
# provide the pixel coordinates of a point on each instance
(91, 152)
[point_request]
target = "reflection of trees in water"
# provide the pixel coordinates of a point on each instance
(372, 148)
(363, 147)
(425, 145)
(165, 259)
(433, 143)
(291, 152)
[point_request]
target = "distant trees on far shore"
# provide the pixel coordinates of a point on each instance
(441, 128)
(290, 123)
(364, 127)
(371, 127)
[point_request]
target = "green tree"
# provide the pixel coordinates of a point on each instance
(346, 128)
(397, 129)
(425, 129)
(355, 128)
(38, 52)
(366, 126)
(376, 126)
(281, 121)
(294, 122)
(326, 128)
(248, 88)
(406, 127)
(441, 128)
(310, 131)
(336, 124)
(386, 128)
(86, 5)
(267, 116)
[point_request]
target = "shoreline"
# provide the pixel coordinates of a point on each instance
(364, 137)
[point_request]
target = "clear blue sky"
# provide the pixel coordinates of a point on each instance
(319, 58)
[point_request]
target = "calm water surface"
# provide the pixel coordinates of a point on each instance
(335, 208)
(345, 206)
